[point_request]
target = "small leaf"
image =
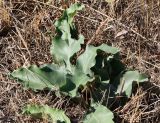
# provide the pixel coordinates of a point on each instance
(127, 79)
(55, 115)
(100, 115)
(71, 11)
(79, 78)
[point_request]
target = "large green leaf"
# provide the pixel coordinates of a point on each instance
(67, 41)
(88, 59)
(51, 77)
(47, 76)
(55, 115)
(126, 80)
(100, 115)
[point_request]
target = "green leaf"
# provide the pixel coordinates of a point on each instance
(88, 59)
(55, 115)
(67, 41)
(100, 115)
(79, 79)
(69, 14)
(51, 77)
(47, 76)
(127, 79)
(63, 51)
(71, 11)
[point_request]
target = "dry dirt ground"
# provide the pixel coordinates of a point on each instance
(26, 30)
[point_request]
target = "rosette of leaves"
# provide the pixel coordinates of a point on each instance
(97, 64)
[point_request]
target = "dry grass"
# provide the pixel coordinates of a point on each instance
(133, 26)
